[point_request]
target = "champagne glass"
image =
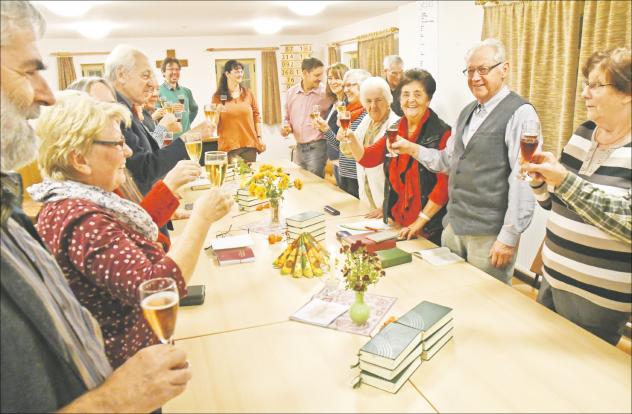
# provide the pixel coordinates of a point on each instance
(528, 144)
(212, 116)
(193, 145)
(160, 301)
(223, 99)
(315, 112)
(391, 136)
(216, 163)
(345, 119)
(341, 106)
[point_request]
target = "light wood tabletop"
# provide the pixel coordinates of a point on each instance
(508, 354)
(284, 367)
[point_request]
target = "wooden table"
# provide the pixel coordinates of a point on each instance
(508, 354)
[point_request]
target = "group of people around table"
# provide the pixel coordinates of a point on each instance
(459, 187)
(73, 335)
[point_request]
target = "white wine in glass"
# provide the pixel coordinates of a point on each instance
(160, 301)
(216, 164)
(193, 145)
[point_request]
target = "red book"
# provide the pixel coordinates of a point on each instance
(370, 245)
(234, 255)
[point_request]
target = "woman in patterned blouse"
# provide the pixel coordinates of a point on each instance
(107, 245)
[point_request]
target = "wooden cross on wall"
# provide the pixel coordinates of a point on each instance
(172, 54)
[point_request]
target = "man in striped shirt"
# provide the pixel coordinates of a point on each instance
(52, 355)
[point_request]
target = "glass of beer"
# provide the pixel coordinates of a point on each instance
(159, 300)
(168, 107)
(528, 144)
(391, 136)
(341, 106)
(216, 164)
(193, 145)
(315, 112)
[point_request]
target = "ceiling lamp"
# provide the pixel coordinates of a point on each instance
(68, 8)
(307, 8)
(94, 30)
(269, 26)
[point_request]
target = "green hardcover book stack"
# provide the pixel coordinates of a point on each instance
(394, 353)
(394, 257)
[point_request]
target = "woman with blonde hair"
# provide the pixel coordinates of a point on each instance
(106, 245)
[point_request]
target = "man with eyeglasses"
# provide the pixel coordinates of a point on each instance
(52, 351)
(172, 91)
(488, 207)
(393, 74)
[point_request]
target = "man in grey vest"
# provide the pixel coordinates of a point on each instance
(489, 207)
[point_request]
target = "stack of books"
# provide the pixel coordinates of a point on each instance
(394, 353)
(311, 222)
(248, 202)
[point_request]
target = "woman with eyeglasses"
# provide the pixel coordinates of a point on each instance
(239, 127)
(106, 245)
(586, 252)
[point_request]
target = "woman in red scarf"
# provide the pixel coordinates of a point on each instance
(414, 196)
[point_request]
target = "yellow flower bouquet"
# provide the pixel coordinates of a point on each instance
(271, 182)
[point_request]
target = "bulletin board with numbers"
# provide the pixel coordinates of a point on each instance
(291, 58)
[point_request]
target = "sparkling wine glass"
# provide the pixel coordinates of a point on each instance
(160, 301)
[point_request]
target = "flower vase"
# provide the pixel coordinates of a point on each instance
(360, 311)
(275, 211)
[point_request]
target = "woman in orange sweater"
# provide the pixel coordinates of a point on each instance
(239, 125)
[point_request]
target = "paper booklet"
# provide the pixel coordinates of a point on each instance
(365, 225)
(439, 256)
(232, 242)
(379, 305)
(320, 312)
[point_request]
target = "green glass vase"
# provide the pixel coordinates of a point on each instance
(360, 311)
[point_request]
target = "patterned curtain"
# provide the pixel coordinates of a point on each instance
(545, 66)
(371, 52)
(333, 55)
(65, 71)
(271, 94)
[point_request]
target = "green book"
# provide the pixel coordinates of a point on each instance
(394, 384)
(389, 374)
(426, 317)
(394, 257)
(391, 345)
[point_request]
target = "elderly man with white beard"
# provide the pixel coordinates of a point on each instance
(52, 355)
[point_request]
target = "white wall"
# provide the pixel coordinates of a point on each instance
(199, 76)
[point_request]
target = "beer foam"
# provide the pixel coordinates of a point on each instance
(168, 298)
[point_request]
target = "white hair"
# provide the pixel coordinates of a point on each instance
(122, 56)
(499, 49)
(392, 60)
(356, 75)
(374, 83)
(17, 16)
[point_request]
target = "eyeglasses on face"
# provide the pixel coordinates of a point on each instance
(593, 86)
(482, 70)
(120, 144)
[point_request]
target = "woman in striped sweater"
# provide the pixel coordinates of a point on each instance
(347, 164)
(587, 269)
